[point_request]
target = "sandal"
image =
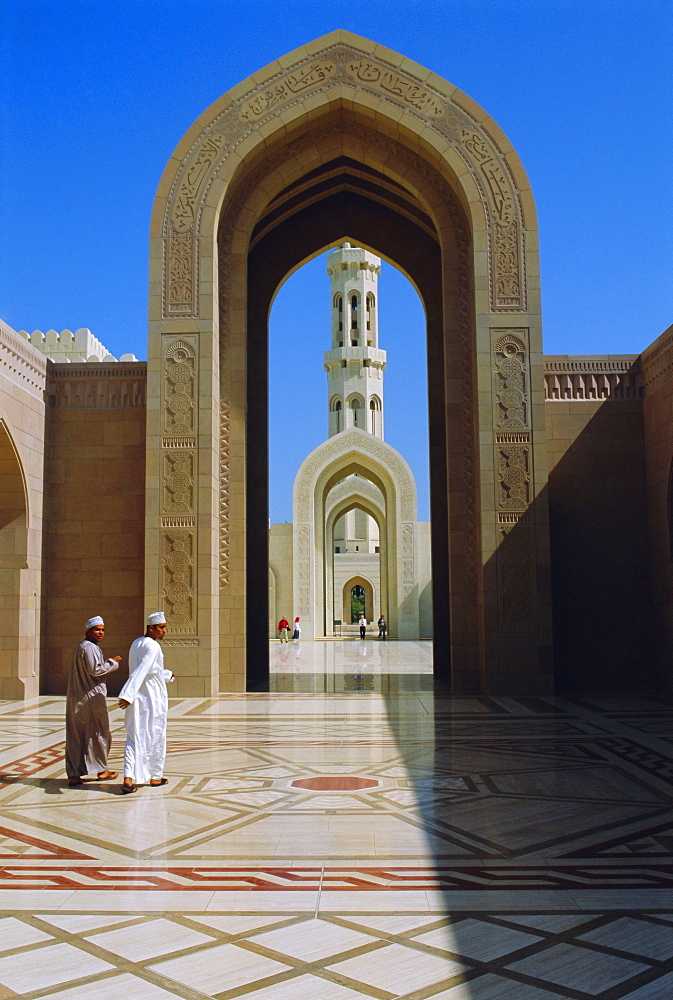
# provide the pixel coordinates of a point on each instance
(106, 775)
(74, 782)
(127, 789)
(156, 784)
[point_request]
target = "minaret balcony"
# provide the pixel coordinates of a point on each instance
(375, 357)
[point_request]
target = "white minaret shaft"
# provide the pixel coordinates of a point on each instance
(354, 365)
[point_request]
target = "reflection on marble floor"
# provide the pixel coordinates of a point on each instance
(342, 844)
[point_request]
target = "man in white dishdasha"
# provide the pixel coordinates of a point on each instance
(87, 726)
(145, 698)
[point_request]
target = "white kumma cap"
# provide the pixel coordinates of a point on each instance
(156, 618)
(92, 622)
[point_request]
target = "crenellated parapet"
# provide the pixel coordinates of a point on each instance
(71, 348)
(592, 378)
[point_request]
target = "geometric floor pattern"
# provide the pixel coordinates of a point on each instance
(346, 835)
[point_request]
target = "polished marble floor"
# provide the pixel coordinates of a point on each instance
(349, 835)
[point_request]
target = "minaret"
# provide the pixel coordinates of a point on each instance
(355, 365)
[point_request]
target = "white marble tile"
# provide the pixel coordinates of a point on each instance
(273, 902)
(306, 988)
(578, 968)
(222, 967)
(79, 924)
(398, 969)
(149, 940)
(236, 923)
(639, 937)
(122, 987)
(476, 939)
(127, 901)
(490, 987)
(16, 934)
(313, 940)
(660, 989)
(58, 963)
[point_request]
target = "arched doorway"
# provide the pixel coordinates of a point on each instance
(345, 144)
(358, 599)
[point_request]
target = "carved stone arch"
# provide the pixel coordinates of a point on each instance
(323, 474)
(412, 169)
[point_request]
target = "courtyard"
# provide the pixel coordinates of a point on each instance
(348, 835)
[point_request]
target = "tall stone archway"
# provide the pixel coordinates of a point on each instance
(344, 139)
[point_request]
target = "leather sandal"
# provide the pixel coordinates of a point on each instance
(127, 789)
(156, 784)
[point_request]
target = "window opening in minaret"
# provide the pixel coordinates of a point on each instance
(354, 312)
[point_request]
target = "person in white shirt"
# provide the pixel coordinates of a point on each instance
(145, 698)
(363, 626)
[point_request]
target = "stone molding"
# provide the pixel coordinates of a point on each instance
(590, 380)
(342, 65)
(22, 364)
(657, 363)
(92, 385)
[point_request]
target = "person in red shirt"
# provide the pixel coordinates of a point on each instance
(283, 626)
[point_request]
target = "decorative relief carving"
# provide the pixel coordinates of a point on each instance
(401, 88)
(511, 383)
(178, 482)
(592, 379)
(514, 477)
(407, 559)
(303, 569)
(182, 275)
(178, 579)
(179, 467)
(297, 81)
(506, 250)
(225, 511)
(84, 387)
(180, 389)
(343, 65)
(193, 178)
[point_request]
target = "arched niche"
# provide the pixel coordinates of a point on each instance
(18, 639)
(367, 586)
(344, 139)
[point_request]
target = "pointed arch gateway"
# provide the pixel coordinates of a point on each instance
(344, 139)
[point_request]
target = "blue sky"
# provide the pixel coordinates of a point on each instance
(96, 94)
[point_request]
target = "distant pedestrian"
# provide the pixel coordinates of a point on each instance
(363, 626)
(297, 631)
(382, 627)
(283, 627)
(87, 726)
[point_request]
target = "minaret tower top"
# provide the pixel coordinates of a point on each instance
(354, 365)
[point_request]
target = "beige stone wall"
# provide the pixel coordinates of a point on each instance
(598, 523)
(657, 375)
(95, 484)
(22, 385)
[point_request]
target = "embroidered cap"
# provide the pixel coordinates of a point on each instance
(92, 622)
(156, 618)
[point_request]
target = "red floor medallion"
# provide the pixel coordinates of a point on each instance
(334, 783)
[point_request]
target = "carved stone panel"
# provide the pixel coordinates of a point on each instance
(178, 551)
(179, 468)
